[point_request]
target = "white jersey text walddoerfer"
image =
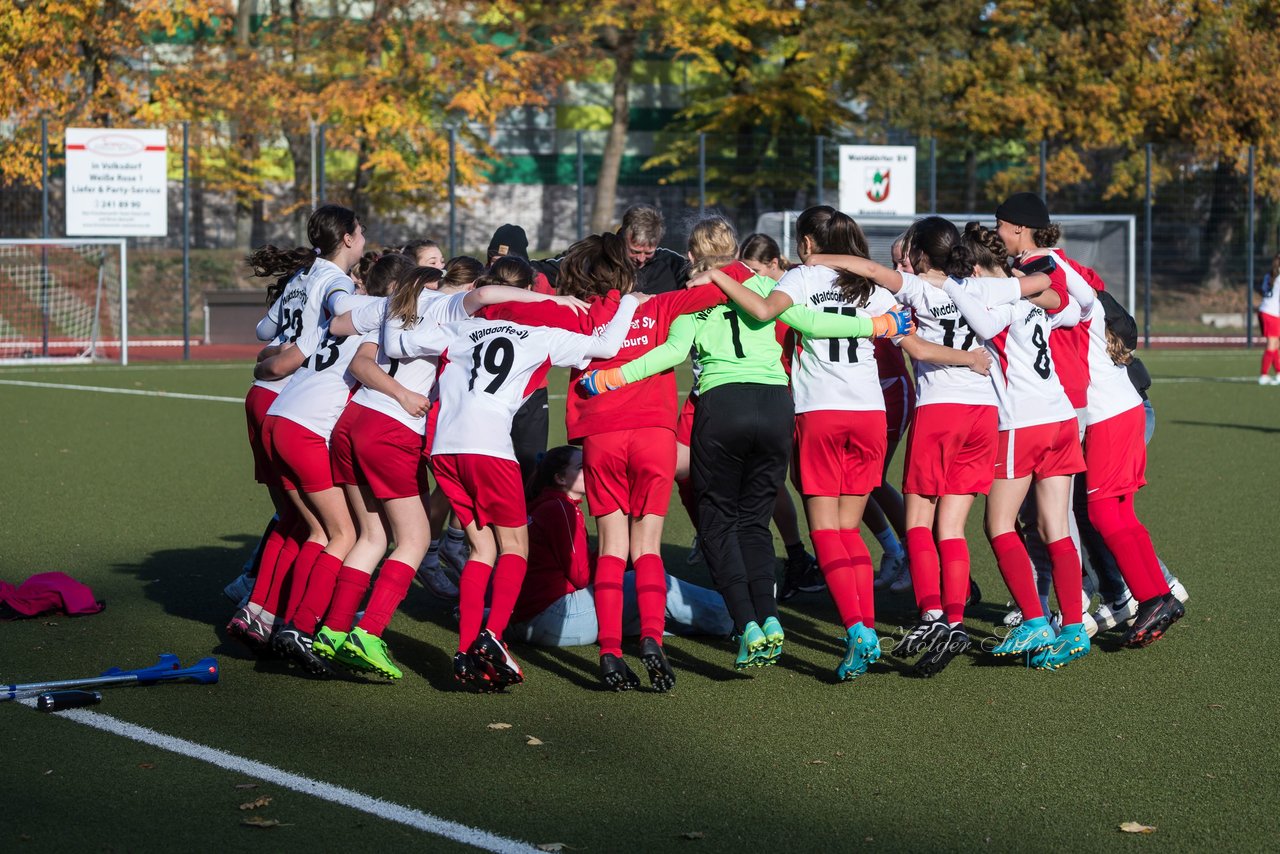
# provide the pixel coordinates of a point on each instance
(417, 375)
(492, 366)
(319, 390)
(833, 373)
(1028, 391)
(938, 321)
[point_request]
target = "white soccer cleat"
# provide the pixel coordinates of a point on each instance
(1109, 616)
(1179, 592)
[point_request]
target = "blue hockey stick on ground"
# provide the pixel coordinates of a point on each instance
(167, 669)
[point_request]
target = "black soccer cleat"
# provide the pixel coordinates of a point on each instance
(661, 677)
(616, 675)
(488, 649)
(942, 652)
(975, 594)
(802, 575)
(922, 636)
(295, 644)
(1155, 616)
(475, 673)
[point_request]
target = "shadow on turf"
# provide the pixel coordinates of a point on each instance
(1253, 427)
(188, 582)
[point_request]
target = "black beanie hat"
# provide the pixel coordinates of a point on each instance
(509, 240)
(1024, 209)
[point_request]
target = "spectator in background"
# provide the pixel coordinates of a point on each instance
(658, 270)
(511, 240)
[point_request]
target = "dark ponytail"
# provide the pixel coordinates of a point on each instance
(928, 242)
(326, 228)
(550, 464)
(980, 247)
(834, 233)
(386, 273)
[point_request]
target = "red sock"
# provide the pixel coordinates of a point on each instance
(347, 596)
(393, 583)
(1269, 359)
(1131, 545)
(1067, 578)
(324, 576)
(926, 575)
(472, 586)
(1019, 577)
(955, 578)
(267, 566)
(651, 595)
(608, 593)
(508, 577)
(279, 575)
(299, 575)
(864, 574)
(837, 569)
(684, 486)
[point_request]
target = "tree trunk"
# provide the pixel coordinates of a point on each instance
(246, 144)
(971, 180)
(1220, 227)
(602, 212)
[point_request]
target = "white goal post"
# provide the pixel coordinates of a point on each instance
(1106, 242)
(64, 300)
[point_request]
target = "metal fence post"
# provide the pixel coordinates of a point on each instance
(186, 242)
(44, 234)
(320, 165)
(933, 175)
(819, 145)
(1146, 259)
(1248, 258)
(312, 125)
(702, 174)
(453, 190)
(1044, 167)
(582, 190)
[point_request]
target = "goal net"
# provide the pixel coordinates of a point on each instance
(1105, 242)
(63, 300)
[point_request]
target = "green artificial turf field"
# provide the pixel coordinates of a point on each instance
(150, 501)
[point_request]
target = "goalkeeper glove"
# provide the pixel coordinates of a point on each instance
(598, 382)
(892, 324)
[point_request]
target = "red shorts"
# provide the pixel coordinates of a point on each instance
(341, 455)
(1270, 325)
(481, 489)
(299, 456)
(899, 403)
(684, 421)
(433, 418)
(256, 404)
(1044, 450)
(838, 452)
(388, 456)
(630, 470)
(1116, 455)
(951, 450)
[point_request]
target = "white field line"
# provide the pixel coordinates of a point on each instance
(407, 816)
(134, 391)
(175, 366)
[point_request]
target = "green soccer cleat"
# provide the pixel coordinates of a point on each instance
(327, 642)
(751, 645)
(1073, 643)
(773, 635)
(371, 650)
(861, 648)
(1029, 636)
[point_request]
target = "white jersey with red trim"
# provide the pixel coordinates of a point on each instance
(1028, 391)
(300, 309)
(416, 374)
(939, 321)
(319, 390)
(833, 373)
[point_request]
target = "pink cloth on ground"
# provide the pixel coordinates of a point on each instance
(49, 592)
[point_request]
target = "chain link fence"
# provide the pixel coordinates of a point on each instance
(1210, 234)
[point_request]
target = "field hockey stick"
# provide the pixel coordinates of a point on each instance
(168, 669)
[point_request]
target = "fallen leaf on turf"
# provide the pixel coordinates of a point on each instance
(146, 766)
(47, 773)
(246, 785)
(499, 726)
(693, 834)
(253, 805)
(556, 846)
(50, 623)
(1216, 706)
(533, 742)
(261, 822)
(1134, 827)
(817, 762)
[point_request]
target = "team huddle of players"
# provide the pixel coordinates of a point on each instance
(387, 371)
